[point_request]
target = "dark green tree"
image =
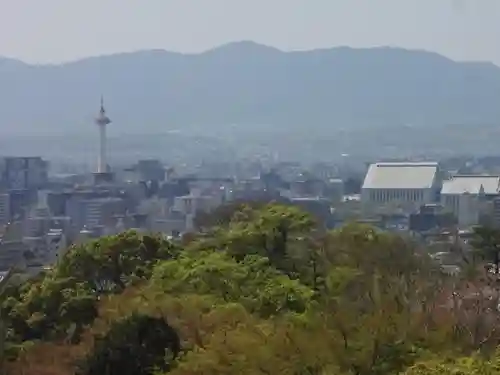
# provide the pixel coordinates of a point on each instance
(136, 345)
(274, 231)
(222, 215)
(52, 308)
(111, 263)
(62, 302)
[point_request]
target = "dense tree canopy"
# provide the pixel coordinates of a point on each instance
(263, 290)
(138, 344)
(111, 263)
(60, 303)
(252, 282)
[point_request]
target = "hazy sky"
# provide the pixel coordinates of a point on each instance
(61, 30)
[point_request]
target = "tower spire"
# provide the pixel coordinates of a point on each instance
(103, 111)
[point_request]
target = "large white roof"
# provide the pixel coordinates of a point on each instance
(471, 184)
(400, 175)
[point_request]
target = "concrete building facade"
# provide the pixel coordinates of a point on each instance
(467, 196)
(403, 184)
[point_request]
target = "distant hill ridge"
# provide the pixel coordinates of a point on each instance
(246, 83)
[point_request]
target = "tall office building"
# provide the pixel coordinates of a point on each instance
(24, 172)
(94, 212)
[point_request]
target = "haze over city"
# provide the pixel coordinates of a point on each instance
(173, 96)
(249, 187)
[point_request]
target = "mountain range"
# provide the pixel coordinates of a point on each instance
(252, 86)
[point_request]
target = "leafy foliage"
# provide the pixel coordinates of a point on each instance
(111, 263)
(263, 290)
(252, 282)
(62, 302)
(222, 215)
(138, 344)
(474, 365)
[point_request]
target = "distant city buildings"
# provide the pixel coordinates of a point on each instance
(41, 215)
(414, 188)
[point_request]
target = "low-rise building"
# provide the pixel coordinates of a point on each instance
(404, 185)
(467, 197)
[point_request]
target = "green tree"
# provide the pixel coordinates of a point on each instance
(53, 308)
(374, 289)
(274, 231)
(455, 365)
(63, 301)
(136, 345)
(236, 342)
(110, 263)
(223, 214)
(251, 281)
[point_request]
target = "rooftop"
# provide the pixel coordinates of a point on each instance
(472, 184)
(404, 175)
